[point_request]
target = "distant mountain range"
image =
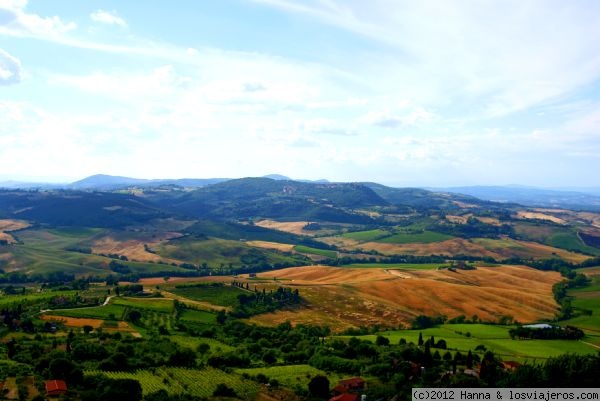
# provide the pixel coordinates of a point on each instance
(104, 182)
(580, 198)
(530, 196)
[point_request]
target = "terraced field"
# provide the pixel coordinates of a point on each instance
(291, 376)
(196, 382)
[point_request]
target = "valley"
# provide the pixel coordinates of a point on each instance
(225, 287)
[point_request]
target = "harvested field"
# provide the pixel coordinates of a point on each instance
(294, 227)
(458, 219)
(465, 205)
(450, 247)
(95, 323)
(272, 245)
(590, 271)
(592, 218)
(498, 249)
(12, 225)
(539, 216)
(507, 247)
(345, 297)
(152, 281)
(8, 225)
(134, 248)
(340, 241)
(489, 220)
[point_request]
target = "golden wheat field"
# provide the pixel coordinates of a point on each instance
(134, 248)
(294, 227)
(7, 225)
(540, 216)
(271, 245)
(346, 297)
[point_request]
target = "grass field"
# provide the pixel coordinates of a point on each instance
(38, 298)
(465, 337)
(586, 303)
(225, 295)
(424, 237)
(315, 251)
(157, 305)
(571, 241)
(219, 252)
(507, 247)
(108, 312)
(198, 316)
(291, 376)
(194, 342)
(196, 382)
(45, 251)
(366, 236)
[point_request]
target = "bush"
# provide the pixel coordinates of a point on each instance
(224, 390)
(319, 387)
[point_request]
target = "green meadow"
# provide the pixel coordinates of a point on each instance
(224, 295)
(465, 337)
(424, 237)
(367, 236)
(315, 251)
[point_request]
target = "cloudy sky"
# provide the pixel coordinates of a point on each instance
(406, 93)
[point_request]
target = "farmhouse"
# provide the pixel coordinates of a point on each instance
(345, 397)
(353, 385)
(510, 365)
(55, 388)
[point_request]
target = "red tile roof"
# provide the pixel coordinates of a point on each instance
(353, 382)
(345, 397)
(55, 386)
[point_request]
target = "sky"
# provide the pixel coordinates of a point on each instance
(404, 93)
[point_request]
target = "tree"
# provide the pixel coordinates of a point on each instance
(223, 390)
(87, 329)
(319, 387)
(469, 362)
(203, 348)
(420, 339)
(382, 341)
(221, 316)
(185, 357)
(123, 390)
(134, 316)
(269, 357)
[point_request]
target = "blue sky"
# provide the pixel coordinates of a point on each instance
(406, 93)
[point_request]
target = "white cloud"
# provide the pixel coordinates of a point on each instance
(10, 69)
(390, 119)
(107, 17)
(158, 83)
(504, 56)
(16, 21)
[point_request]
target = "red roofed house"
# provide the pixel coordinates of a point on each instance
(355, 384)
(55, 387)
(345, 397)
(348, 388)
(510, 365)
